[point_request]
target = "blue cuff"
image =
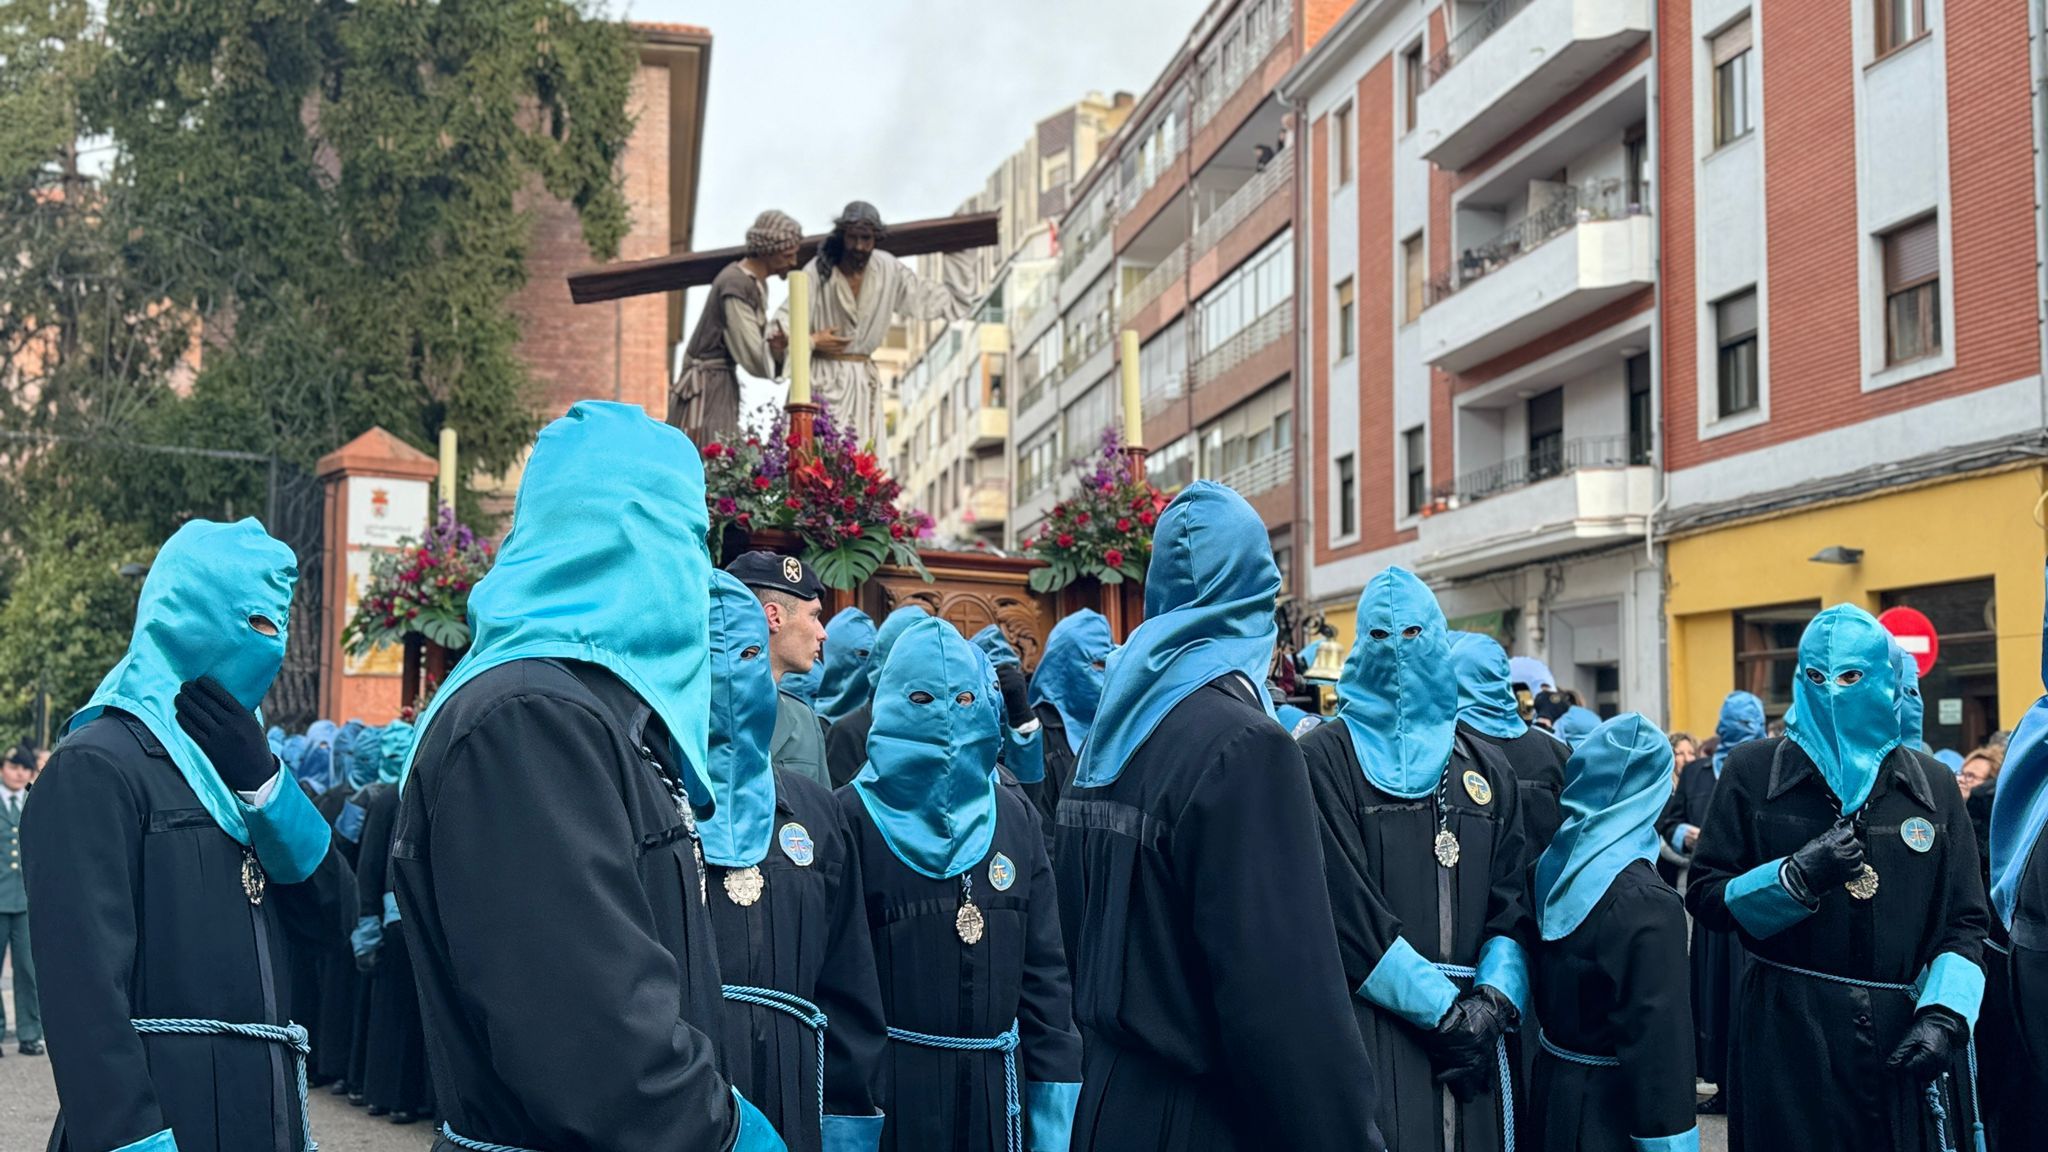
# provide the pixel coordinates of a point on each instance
(853, 1133)
(1503, 965)
(289, 835)
(1955, 984)
(756, 1134)
(161, 1142)
(1409, 986)
(391, 908)
(1051, 1107)
(349, 825)
(367, 937)
(1677, 838)
(1759, 902)
(1686, 1141)
(1024, 754)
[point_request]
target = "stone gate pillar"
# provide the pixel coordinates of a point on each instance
(377, 492)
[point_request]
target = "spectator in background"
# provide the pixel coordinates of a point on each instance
(15, 776)
(1980, 770)
(1978, 778)
(1684, 750)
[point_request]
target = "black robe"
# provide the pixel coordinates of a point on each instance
(1615, 987)
(1537, 759)
(1782, 1094)
(1385, 884)
(395, 1063)
(362, 1000)
(1717, 958)
(1207, 981)
(139, 912)
(807, 935)
(2026, 983)
(551, 889)
(342, 994)
(1059, 771)
(846, 744)
(934, 983)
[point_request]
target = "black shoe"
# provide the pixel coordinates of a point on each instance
(1715, 1105)
(379, 1110)
(339, 1088)
(31, 1048)
(358, 1099)
(403, 1117)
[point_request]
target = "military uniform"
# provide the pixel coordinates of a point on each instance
(28, 1026)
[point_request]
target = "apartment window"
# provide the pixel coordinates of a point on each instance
(1546, 434)
(1172, 468)
(1347, 320)
(1899, 23)
(1912, 292)
(1733, 114)
(1638, 142)
(1640, 436)
(1414, 270)
(1767, 651)
(1340, 126)
(1347, 495)
(1411, 84)
(1415, 454)
(1735, 366)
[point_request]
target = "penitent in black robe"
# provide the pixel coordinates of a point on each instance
(550, 884)
(332, 1024)
(1207, 979)
(935, 984)
(846, 744)
(139, 913)
(1059, 771)
(1615, 987)
(2025, 981)
(1807, 1066)
(807, 935)
(1537, 759)
(395, 1046)
(1717, 957)
(1385, 885)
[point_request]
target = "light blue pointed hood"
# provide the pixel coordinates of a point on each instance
(738, 834)
(893, 627)
(1399, 695)
(2019, 808)
(1486, 698)
(1615, 786)
(192, 620)
(1742, 720)
(929, 781)
(1531, 673)
(292, 751)
(394, 748)
(355, 754)
(1210, 593)
(1846, 730)
(846, 683)
(1576, 725)
(274, 736)
(606, 564)
(996, 646)
(317, 765)
(1069, 675)
(1912, 711)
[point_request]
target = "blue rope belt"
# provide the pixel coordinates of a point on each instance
(1937, 1089)
(1006, 1044)
(1506, 1073)
(290, 1035)
(461, 1141)
(1571, 1057)
(806, 1013)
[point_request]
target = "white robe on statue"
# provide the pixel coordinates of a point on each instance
(889, 288)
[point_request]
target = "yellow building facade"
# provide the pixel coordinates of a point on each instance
(1968, 552)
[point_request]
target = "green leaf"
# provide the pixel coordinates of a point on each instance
(1109, 575)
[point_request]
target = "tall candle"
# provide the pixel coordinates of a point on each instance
(1134, 411)
(448, 466)
(799, 338)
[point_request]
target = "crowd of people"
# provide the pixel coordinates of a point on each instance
(672, 861)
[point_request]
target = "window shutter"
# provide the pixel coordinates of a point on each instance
(1732, 43)
(1912, 254)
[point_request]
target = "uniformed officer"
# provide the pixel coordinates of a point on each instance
(792, 597)
(15, 774)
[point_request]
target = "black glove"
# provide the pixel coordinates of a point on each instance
(1016, 697)
(1464, 1043)
(228, 733)
(1930, 1045)
(1825, 862)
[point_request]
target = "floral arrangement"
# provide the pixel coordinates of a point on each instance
(1105, 531)
(833, 494)
(422, 588)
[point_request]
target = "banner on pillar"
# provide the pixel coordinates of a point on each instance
(381, 512)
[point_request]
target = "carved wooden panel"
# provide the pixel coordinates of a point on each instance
(971, 591)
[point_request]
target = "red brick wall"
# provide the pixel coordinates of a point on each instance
(1317, 253)
(1678, 369)
(615, 350)
(1318, 17)
(1809, 139)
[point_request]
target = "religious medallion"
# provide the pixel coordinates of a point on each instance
(1002, 873)
(969, 924)
(1864, 886)
(1446, 848)
(253, 880)
(1477, 788)
(743, 886)
(1918, 833)
(797, 845)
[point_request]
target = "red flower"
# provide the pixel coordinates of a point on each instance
(713, 450)
(753, 441)
(1147, 519)
(1066, 540)
(1081, 519)
(761, 483)
(1113, 558)
(850, 530)
(1123, 524)
(1059, 511)
(746, 520)
(793, 504)
(1030, 542)
(895, 531)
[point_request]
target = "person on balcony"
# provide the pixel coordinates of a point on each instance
(731, 334)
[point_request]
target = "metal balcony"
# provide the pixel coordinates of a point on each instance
(1277, 177)
(1262, 475)
(1565, 498)
(1276, 324)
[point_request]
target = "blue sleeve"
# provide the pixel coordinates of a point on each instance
(161, 1142)
(391, 908)
(1686, 1141)
(349, 825)
(1760, 903)
(755, 1134)
(1504, 966)
(289, 834)
(1024, 753)
(853, 1133)
(367, 937)
(1051, 1110)
(1409, 986)
(1954, 983)
(1677, 840)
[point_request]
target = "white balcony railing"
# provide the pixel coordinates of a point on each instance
(1262, 475)
(1276, 324)
(1236, 51)
(1232, 212)
(1155, 284)
(1159, 394)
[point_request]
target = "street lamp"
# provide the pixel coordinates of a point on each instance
(1837, 554)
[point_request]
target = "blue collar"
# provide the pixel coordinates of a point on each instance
(1486, 700)
(608, 566)
(743, 713)
(845, 684)
(929, 781)
(1069, 675)
(1210, 593)
(1847, 730)
(1400, 700)
(1615, 786)
(193, 620)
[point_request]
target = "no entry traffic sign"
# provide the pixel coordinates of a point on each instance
(1915, 633)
